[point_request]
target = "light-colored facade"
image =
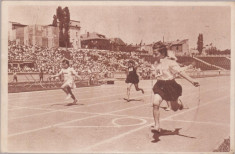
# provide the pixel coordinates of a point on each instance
(12, 26)
(44, 36)
(148, 48)
(180, 47)
(74, 32)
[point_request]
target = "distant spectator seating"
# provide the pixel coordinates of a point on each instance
(190, 60)
(218, 61)
(103, 62)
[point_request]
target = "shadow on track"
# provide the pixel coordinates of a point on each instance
(68, 104)
(71, 104)
(130, 100)
(165, 132)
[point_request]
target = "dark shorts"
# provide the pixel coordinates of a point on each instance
(169, 90)
(132, 79)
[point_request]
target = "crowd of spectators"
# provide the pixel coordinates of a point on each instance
(103, 62)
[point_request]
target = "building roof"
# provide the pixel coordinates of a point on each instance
(74, 23)
(177, 42)
(17, 23)
(93, 36)
(117, 41)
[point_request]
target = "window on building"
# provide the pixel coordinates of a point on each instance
(76, 33)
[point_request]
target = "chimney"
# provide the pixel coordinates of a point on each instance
(88, 34)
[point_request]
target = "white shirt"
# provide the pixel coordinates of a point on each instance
(68, 73)
(167, 69)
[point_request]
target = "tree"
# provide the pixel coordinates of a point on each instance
(54, 23)
(63, 16)
(60, 16)
(200, 43)
(66, 26)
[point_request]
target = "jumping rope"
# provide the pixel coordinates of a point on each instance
(196, 113)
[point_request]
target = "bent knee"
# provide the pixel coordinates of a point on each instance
(157, 100)
(174, 105)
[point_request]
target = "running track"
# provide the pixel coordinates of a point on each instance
(104, 122)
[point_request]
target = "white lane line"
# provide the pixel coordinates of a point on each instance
(46, 127)
(66, 110)
(19, 107)
(75, 120)
(58, 92)
(201, 122)
(55, 92)
(46, 97)
(139, 128)
(62, 110)
(45, 91)
(115, 123)
(90, 126)
(79, 100)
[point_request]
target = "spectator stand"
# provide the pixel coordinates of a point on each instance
(34, 83)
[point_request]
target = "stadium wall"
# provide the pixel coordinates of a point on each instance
(31, 77)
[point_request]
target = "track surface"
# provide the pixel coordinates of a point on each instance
(104, 122)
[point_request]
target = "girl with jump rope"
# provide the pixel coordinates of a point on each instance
(166, 88)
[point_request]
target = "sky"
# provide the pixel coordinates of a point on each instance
(135, 23)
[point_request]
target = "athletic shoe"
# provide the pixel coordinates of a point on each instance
(168, 109)
(75, 101)
(157, 130)
(68, 97)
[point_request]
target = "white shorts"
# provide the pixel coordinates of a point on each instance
(69, 83)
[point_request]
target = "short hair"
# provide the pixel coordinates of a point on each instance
(65, 61)
(163, 51)
(161, 48)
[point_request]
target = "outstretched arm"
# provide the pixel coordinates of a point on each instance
(75, 73)
(123, 66)
(138, 65)
(176, 69)
(56, 75)
(188, 78)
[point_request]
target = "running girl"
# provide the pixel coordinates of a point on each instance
(166, 88)
(68, 84)
(132, 79)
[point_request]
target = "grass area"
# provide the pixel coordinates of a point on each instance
(224, 147)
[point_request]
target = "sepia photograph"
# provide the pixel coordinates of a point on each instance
(117, 77)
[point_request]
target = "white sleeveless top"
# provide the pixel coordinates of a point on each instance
(167, 69)
(68, 73)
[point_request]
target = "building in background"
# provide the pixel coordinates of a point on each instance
(117, 44)
(12, 26)
(95, 41)
(179, 47)
(44, 36)
(74, 32)
(148, 48)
